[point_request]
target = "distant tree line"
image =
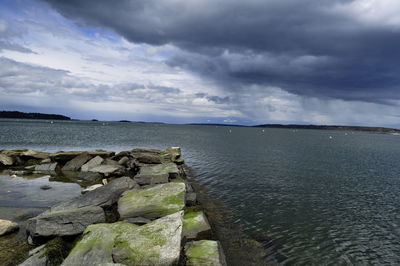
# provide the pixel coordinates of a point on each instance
(21, 115)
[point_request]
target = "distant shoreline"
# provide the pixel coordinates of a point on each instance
(42, 116)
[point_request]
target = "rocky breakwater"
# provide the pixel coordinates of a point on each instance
(139, 210)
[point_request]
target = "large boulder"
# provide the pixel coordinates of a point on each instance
(76, 163)
(92, 163)
(147, 156)
(7, 227)
(204, 252)
(6, 160)
(195, 225)
(156, 243)
(103, 196)
(157, 174)
(64, 222)
(153, 202)
(96, 245)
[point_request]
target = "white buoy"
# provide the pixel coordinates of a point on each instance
(51, 122)
(330, 137)
(263, 130)
(230, 131)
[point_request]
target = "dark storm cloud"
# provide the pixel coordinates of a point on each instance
(305, 47)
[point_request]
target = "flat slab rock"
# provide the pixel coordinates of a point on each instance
(156, 243)
(204, 252)
(69, 155)
(64, 222)
(157, 174)
(92, 163)
(76, 163)
(195, 225)
(7, 227)
(153, 202)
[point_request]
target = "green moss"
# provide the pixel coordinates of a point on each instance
(202, 251)
(190, 219)
(56, 251)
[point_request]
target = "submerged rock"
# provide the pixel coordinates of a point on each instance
(46, 168)
(156, 243)
(195, 225)
(7, 227)
(64, 222)
(157, 174)
(152, 202)
(76, 163)
(92, 163)
(204, 252)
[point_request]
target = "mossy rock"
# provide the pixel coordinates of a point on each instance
(204, 252)
(195, 225)
(153, 202)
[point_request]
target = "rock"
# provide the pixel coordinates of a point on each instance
(18, 172)
(103, 196)
(147, 156)
(153, 202)
(123, 160)
(6, 160)
(92, 163)
(31, 154)
(91, 188)
(90, 176)
(195, 225)
(67, 156)
(110, 162)
(108, 170)
(179, 161)
(45, 161)
(45, 187)
(204, 252)
(191, 199)
(7, 227)
(138, 220)
(96, 245)
(156, 243)
(157, 174)
(76, 163)
(64, 222)
(46, 168)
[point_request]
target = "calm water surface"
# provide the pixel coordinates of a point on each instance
(319, 197)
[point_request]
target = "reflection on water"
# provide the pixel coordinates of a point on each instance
(22, 198)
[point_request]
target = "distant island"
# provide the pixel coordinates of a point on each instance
(22, 115)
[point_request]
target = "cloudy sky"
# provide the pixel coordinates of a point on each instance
(216, 61)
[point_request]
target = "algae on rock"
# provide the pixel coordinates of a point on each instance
(204, 252)
(153, 202)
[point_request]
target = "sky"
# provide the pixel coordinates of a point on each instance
(204, 61)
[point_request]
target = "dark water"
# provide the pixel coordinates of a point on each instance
(321, 197)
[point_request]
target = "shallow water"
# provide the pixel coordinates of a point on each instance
(312, 197)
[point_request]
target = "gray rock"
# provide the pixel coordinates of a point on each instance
(157, 174)
(156, 243)
(91, 188)
(147, 156)
(76, 163)
(110, 162)
(108, 170)
(90, 176)
(92, 163)
(138, 220)
(196, 226)
(64, 222)
(191, 199)
(7, 227)
(45, 187)
(204, 252)
(152, 202)
(45, 161)
(46, 168)
(6, 160)
(31, 154)
(123, 160)
(103, 196)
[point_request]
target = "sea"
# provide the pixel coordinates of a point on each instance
(308, 197)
